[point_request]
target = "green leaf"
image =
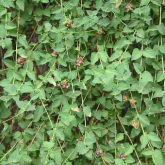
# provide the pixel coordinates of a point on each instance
(68, 163)
(144, 141)
(60, 134)
(119, 161)
(140, 33)
(138, 68)
(144, 119)
(67, 118)
(48, 26)
(115, 55)
(58, 157)
(48, 145)
(9, 53)
(163, 101)
(44, 1)
(26, 158)
(89, 155)
(121, 43)
(26, 89)
(14, 156)
(74, 94)
(17, 135)
(136, 54)
(102, 100)
(31, 75)
(158, 157)
(109, 158)
(129, 159)
(147, 152)
(159, 93)
(144, 2)
(74, 2)
(99, 4)
(153, 137)
(3, 11)
(22, 40)
(127, 30)
(149, 53)
(21, 4)
(103, 56)
(2, 31)
(7, 3)
(160, 76)
(129, 149)
(82, 149)
(161, 29)
(32, 147)
(147, 76)
(162, 119)
(87, 111)
(72, 75)
(9, 63)
(38, 113)
(6, 126)
(104, 22)
(94, 58)
(90, 139)
(157, 2)
(119, 137)
(162, 49)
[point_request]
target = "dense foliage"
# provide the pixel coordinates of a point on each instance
(82, 82)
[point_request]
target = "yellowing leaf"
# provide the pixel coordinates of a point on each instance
(118, 3)
(76, 109)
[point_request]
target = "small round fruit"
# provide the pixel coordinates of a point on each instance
(20, 61)
(122, 156)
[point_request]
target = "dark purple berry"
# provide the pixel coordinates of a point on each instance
(122, 156)
(102, 31)
(54, 53)
(129, 7)
(64, 84)
(79, 61)
(20, 61)
(97, 153)
(78, 140)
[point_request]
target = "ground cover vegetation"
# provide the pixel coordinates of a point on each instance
(82, 82)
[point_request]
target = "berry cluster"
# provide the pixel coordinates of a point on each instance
(54, 53)
(101, 31)
(125, 98)
(68, 23)
(99, 152)
(129, 7)
(79, 140)
(64, 84)
(122, 156)
(79, 61)
(20, 61)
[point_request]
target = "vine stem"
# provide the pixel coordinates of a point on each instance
(79, 47)
(137, 113)
(57, 3)
(127, 135)
(69, 156)
(161, 43)
(69, 68)
(9, 151)
(35, 136)
(54, 128)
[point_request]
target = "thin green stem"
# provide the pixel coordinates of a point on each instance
(9, 151)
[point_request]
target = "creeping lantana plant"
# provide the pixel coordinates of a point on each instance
(82, 82)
